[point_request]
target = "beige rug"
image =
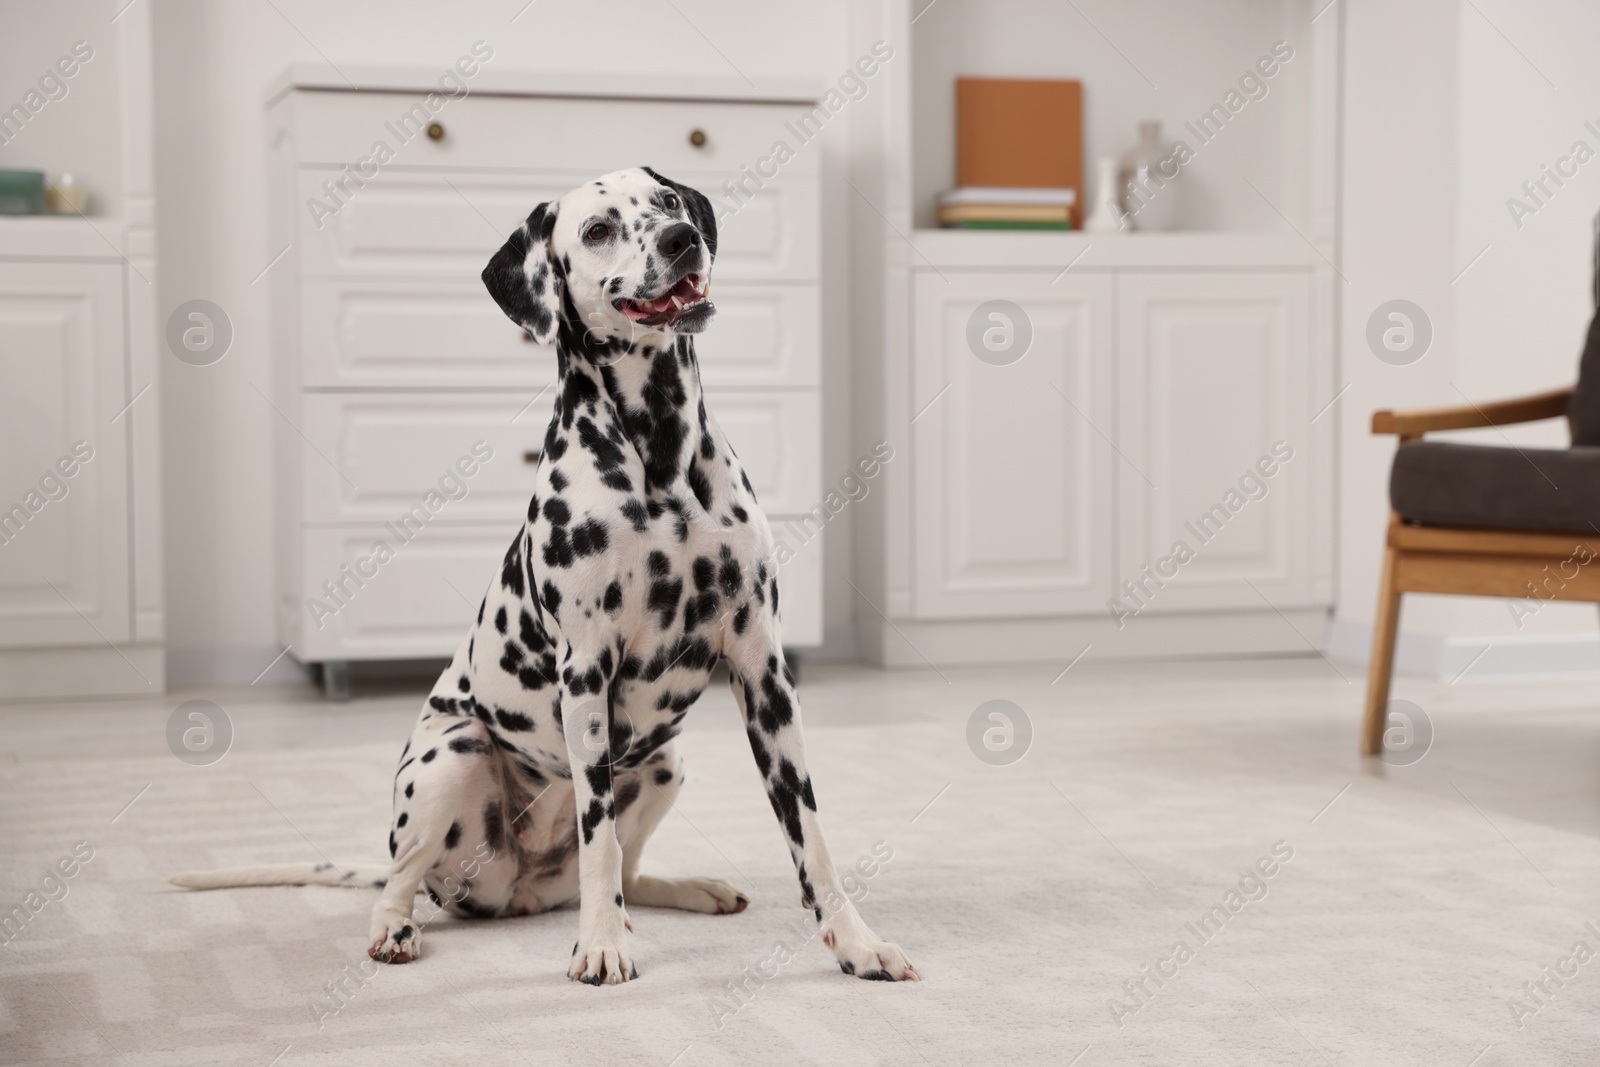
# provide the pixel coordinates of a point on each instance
(1029, 896)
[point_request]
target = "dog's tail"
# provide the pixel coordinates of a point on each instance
(356, 876)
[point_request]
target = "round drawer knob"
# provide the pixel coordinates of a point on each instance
(697, 138)
(435, 131)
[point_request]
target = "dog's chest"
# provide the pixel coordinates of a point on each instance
(621, 589)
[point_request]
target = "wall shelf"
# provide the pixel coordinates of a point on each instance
(1018, 250)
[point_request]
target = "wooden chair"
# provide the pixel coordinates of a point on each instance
(1500, 521)
(1473, 560)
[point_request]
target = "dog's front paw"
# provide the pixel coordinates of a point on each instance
(869, 957)
(395, 939)
(603, 960)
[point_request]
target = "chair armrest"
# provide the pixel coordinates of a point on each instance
(1417, 422)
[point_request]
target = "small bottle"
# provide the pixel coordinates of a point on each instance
(65, 196)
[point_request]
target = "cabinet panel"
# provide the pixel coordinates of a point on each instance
(405, 332)
(1012, 465)
(448, 225)
(1215, 372)
(64, 541)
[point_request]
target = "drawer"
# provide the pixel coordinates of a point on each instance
(418, 603)
(447, 225)
(762, 335)
(778, 439)
(799, 588)
(372, 458)
(415, 332)
(421, 601)
(534, 133)
(391, 451)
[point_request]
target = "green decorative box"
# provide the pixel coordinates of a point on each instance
(21, 192)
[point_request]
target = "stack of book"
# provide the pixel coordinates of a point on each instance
(1007, 208)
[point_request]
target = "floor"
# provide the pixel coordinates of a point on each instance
(1184, 863)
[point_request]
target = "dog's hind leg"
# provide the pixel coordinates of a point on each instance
(445, 782)
(643, 799)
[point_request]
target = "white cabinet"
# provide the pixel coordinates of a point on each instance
(392, 360)
(1013, 465)
(64, 541)
(1215, 372)
(1143, 413)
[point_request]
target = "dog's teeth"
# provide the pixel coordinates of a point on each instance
(677, 303)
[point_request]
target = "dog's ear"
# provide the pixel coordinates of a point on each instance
(523, 280)
(700, 210)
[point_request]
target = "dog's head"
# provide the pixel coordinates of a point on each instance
(626, 255)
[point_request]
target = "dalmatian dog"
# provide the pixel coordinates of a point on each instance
(544, 757)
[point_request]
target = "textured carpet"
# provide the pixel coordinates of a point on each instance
(1029, 896)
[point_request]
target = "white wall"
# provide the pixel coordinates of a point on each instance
(1447, 112)
(213, 61)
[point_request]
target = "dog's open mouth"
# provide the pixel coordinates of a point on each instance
(685, 299)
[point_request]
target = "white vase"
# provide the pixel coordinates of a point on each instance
(1105, 210)
(1148, 179)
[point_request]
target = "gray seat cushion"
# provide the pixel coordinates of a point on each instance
(1446, 484)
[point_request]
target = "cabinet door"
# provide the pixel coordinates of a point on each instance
(1012, 462)
(64, 544)
(1214, 375)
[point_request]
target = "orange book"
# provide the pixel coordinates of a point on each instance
(1020, 132)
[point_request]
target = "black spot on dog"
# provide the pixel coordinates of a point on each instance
(591, 819)
(466, 745)
(511, 572)
(627, 793)
(427, 757)
(664, 597)
(590, 538)
(452, 837)
(514, 721)
(494, 826)
(700, 485)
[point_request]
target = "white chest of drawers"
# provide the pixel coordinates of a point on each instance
(391, 362)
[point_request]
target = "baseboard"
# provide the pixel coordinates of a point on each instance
(53, 673)
(1466, 657)
(198, 666)
(908, 643)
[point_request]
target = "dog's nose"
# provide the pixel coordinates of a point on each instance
(677, 239)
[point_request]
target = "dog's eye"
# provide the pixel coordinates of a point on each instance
(671, 201)
(598, 232)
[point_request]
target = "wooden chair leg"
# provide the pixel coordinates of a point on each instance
(1385, 631)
